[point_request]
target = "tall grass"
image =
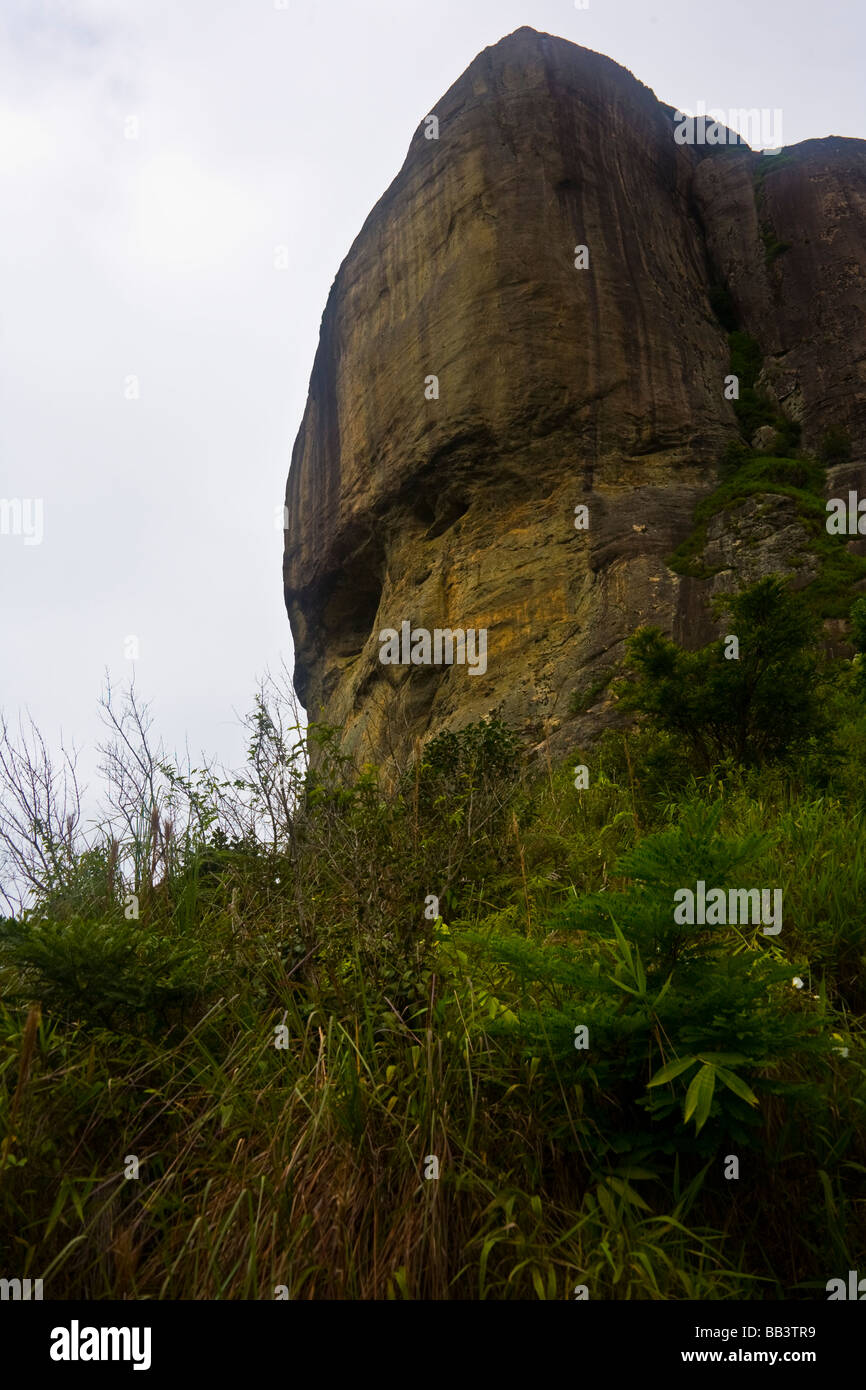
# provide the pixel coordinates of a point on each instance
(287, 905)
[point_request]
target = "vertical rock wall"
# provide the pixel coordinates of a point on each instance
(557, 387)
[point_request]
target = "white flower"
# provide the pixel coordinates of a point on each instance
(797, 982)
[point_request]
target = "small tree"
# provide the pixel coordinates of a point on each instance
(756, 707)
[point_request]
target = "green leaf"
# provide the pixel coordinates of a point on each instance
(737, 1085)
(628, 989)
(828, 1192)
(699, 1097)
(663, 991)
(604, 1201)
(672, 1069)
(640, 973)
(624, 946)
(628, 1193)
(399, 1281)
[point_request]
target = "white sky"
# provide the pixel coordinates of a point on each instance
(259, 127)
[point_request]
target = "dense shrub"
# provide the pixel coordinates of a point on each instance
(756, 706)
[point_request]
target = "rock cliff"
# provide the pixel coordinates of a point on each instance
(478, 378)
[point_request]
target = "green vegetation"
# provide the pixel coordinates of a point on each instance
(745, 473)
(773, 248)
(767, 165)
(836, 446)
(753, 408)
(334, 978)
(756, 708)
(584, 699)
(858, 637)
(746, 357)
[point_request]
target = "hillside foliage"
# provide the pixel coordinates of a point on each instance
(442, 1037)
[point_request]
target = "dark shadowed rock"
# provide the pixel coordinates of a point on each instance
(788, 234)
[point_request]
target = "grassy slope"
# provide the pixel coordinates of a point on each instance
(304, 1166)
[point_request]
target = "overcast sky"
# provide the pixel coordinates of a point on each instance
(158, 161)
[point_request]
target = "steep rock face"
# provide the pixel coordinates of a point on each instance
(806, 304)
(557, 387)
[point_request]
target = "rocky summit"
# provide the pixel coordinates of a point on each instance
(564, 320)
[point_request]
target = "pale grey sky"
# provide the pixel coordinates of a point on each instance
(258, 126)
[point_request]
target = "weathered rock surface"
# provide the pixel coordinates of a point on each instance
(557, 387)
(762, 536)
(804, 304)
